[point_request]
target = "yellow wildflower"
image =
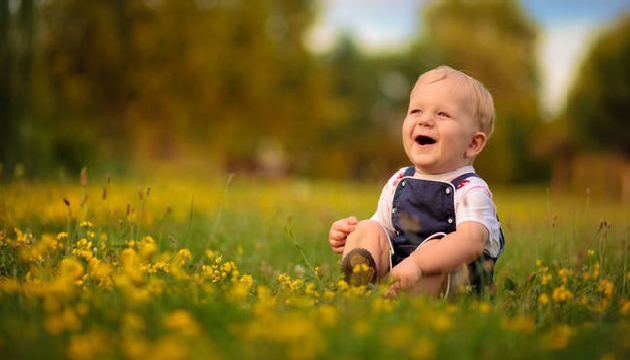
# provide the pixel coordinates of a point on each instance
(329, 294)
(247, 280)
(522, 323)
(342, 285)
(183, 322)
(184, 256)
(606, 287)
(85, 224)
(147, 247)
(91, 345)
(561, 294)
(543, 299)
(564, 274)
(442, 322)
(558, 337)
(596, 270)
(311, 289)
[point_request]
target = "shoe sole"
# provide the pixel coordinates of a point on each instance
(358, 257)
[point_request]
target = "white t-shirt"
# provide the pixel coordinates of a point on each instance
(473, 202)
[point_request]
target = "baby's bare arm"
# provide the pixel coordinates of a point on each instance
(424, 269)
(449, 253)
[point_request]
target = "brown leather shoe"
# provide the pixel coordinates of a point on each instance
(358, 267)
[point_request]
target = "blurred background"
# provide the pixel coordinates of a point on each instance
(308, 88)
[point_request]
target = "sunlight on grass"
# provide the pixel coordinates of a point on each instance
(242, 269)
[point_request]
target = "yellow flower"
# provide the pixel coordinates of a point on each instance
(562, 294)
(342, 285)
(558, 337)
(606, 287)
(522, 323)
(184, 256)
(442, 322)
(10, 285)
(237, 293)
(91, 345)
(101, 272)
(329, 295)
(564, 275)
(247, 280)
(596, 270)
(67, 320)
(71, 268)
(311, 289)
(543, 299)
(85, 224)
(485, 307)
(147, 247)
(382, 305)
(328, 315)
(183, 322)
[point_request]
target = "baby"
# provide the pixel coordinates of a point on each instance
(436, 218)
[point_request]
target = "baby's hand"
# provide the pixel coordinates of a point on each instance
(339, 232)
(406, 276)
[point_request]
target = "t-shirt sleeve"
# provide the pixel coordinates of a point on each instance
(475, 204)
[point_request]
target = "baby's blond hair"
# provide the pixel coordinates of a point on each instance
(482, 103)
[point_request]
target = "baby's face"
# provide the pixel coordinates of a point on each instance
(440, 133)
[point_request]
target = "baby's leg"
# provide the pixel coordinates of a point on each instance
(371, 236)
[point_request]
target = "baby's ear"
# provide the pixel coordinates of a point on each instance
(476, 145)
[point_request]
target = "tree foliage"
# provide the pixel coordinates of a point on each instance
(123, 83)
(598, 106)
(181, 77)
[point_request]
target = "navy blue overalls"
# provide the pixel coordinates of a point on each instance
(422, 208)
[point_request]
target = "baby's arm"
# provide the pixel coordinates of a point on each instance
(452, 251)
(339, 232)
(441, 256)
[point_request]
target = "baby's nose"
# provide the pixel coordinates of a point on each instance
(426, 120)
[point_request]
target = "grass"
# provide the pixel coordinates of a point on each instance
(241, 268)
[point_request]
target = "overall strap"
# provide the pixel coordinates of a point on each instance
(410, 171)
(460, 179)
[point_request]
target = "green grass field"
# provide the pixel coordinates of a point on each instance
(241, 269)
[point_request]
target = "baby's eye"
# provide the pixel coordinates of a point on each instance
(444, 114)
(415, 111)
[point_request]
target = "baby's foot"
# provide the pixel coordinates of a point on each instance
(358, 267)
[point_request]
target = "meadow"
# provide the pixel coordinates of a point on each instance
(240, 268)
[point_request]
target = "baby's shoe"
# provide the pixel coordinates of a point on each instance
(358, 267)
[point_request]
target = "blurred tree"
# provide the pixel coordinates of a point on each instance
(16, 71)
(230, 82)
(85, 66)
(494, 42)
(598, 105)
(162, 80)
(7, 151)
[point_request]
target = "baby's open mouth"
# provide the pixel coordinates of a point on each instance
(425, 140)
